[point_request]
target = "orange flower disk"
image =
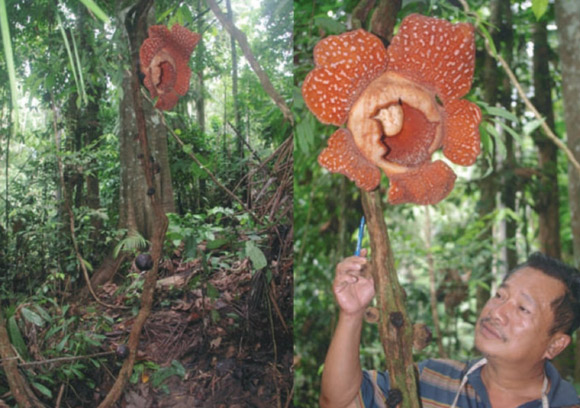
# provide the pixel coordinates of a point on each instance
(164, 61)
(400, 105)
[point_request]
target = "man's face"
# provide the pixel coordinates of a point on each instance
(515, 323)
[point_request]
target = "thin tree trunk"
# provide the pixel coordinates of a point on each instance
(199, 54)
(237, 115)
(568, 20)
(510, 181)
(548, 204)
(225, 122)
(90, 129)
(548, 199)
(199, 104)
(488, 185)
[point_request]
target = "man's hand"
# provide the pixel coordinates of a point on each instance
(352, 289)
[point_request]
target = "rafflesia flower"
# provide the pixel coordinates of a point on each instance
(400, 104)
(164, 59)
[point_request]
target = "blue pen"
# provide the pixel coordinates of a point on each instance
(361, 231)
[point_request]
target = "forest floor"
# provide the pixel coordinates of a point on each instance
(221, 338)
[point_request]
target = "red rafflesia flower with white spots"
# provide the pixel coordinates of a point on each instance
(400, 105)
(164, 59)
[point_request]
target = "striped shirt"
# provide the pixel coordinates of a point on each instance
(440, 379)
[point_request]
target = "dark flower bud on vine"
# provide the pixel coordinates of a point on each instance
(394, 398)
(144, 262)
(421, 336)
(396, 319)
(122, 351)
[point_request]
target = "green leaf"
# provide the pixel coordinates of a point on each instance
(163, 15)
(331, 26)
(539, 8)
(190, 251)
(511, 131)
(87, 265)
(489, 39)
(179, 368)
(212, 291)
(133, 242)
(533, 125)
(256, 255)
(486, 141)
(42, 389)
(43, 313)
(187, 149)
(72, 61)
(60, 346)
(96, 10)
(501, 112)
(500, 146)
(9, 57)
(32, 317)
(217, 243)
(16, 337)
(305, 134)
(165, 372)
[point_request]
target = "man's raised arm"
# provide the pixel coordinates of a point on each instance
(342, 375)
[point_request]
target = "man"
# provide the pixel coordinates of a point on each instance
(528, 322)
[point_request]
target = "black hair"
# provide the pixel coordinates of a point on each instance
(566, 307)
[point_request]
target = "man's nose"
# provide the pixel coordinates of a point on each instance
(501, 312)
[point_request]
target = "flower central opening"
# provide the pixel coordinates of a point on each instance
(391, 118)
(396, 123)
(411, 145)
(163, 73)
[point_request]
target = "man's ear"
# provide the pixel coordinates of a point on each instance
(558, 343)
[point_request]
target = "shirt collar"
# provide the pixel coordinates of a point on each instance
(560, 394)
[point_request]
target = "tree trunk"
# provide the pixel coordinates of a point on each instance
(548, 203)
(89, 126)
(136, 210)
(568, 20)
(548, 200)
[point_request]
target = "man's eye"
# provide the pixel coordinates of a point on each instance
(523, 309)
